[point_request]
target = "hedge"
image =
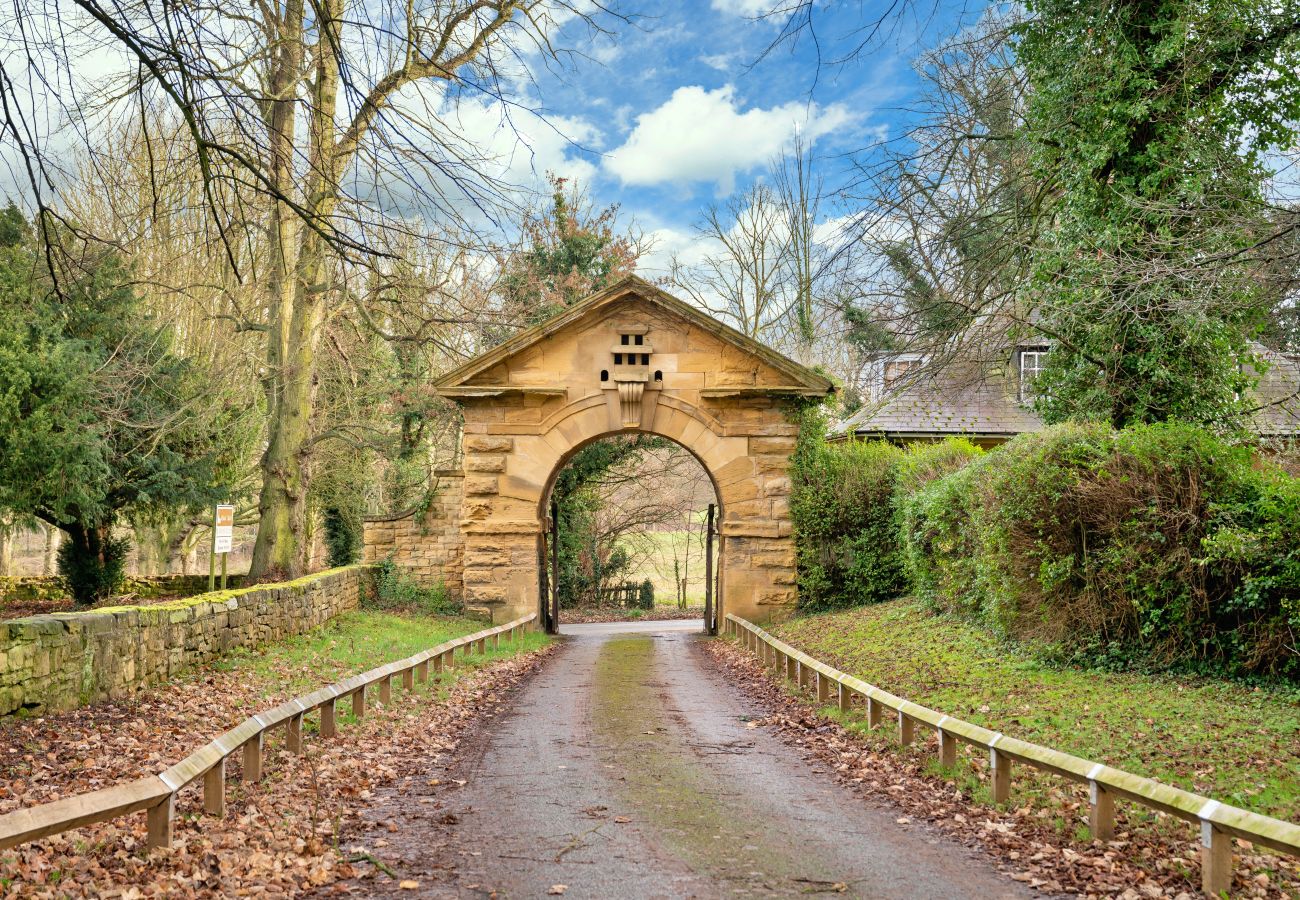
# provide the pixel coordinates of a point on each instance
(1161, 545)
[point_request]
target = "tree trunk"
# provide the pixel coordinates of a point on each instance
(6, 546)
(91, 562)
(275, 550)
(53, 537)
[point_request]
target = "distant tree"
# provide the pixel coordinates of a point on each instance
(565, 252)
(99, 421)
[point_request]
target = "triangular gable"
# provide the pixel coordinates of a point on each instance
(801, 379)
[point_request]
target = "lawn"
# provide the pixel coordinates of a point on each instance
(356, 642)
(1237, 743)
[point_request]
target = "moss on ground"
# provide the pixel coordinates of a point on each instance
(1237, 743)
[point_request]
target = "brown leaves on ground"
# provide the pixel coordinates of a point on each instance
(278, 838)
(1027, 843)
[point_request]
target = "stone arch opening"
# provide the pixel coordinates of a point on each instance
(629, 359)
(707, 574)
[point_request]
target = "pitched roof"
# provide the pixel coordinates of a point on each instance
(958, 399)
(802, 379)
(965, 397)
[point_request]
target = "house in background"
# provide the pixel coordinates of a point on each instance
(984, 391)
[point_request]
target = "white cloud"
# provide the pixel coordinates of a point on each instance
(685, 246)
(750, 8)
(700, 135)
(521, 148)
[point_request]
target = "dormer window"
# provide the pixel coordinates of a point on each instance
(896, 371)
(1031, 362)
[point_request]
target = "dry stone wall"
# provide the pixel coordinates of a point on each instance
(65, 660)
(26, 588)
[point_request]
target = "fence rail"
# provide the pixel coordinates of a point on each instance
(1218, 822)
(156, 794)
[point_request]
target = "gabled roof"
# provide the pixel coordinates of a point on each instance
(802, 379)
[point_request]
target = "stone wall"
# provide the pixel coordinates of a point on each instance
(429, 546)
(26, 588)
(66, 660)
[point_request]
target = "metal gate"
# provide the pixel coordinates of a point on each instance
(710, 614)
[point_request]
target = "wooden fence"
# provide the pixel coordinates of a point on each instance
(156, 794)
(1218, 822)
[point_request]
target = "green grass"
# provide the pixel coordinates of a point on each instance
(1236, 743)
(356, 642)
(656, 550)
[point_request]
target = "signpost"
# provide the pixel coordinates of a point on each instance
(223, 539)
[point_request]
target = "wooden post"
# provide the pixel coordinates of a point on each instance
(798, 674)
(823, 688)
(1000, 775)
(1101, 812)
(253, 759)
(482, 646)
(386, 690)
(422, 671)
(160, 823)
(790, 664)
(845, 698)
(293, 734)
(873, 713)
(359, 702)
(947, 749)
(214, 790)
(496, 641)
(512, 634)
(906, 730)
(408, 678)
(328, 724)
(1216, 860)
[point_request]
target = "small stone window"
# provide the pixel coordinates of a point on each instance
(659, 376)
(645, 357)
(618, 359)
(604, 374)
(639, 339)
(626, 337)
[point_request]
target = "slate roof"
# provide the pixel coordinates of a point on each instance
(965, 397)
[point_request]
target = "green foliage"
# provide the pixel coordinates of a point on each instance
(396, 589)
(1152, 122)
(98, 418)
(646, 595)
(343, 535)
(1160, 545)
(93, 573)
(842, 509)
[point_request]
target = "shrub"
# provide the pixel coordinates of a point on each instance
(93, 575)
(343, 535)
(1159, 543)
(939, 532)
(646, 595)
(396, 589)
(841, 505)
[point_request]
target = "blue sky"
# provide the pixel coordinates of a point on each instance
(682, 109)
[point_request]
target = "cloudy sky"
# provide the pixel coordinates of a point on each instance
(683, 108)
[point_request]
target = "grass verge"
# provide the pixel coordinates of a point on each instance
(1235, 743)
(356, 642)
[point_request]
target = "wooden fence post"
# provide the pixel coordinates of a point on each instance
(408, 678)
(214, 789)
(873, 713)
(359, 702)
(1101, 812)
(823, 688)
(328, 723)
(496, 641)
(1216, 860)
(1000, 775)
(386, 690)
(482, 646)
(947, 749)
(845, 698)
(789, 667)
(160, 823)
(906, 730)
(253, 759)
(422, 671)
(293, 734)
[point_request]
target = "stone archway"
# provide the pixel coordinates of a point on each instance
(628, 359)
